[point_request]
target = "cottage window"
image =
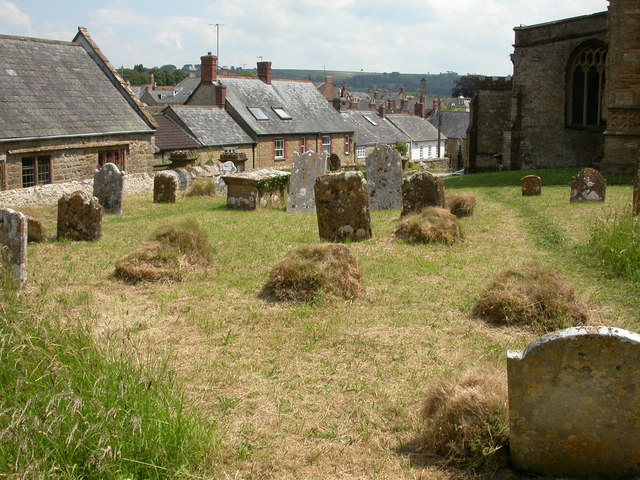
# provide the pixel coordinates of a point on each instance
(278, 148)
(361, 152)
(326, 144)
(421, 151)
(347, 145)
(429, 152)
(116, 157)
(36, 170)
(303, 144)
(585, 86)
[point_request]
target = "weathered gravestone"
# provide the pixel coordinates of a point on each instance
(304, 171)
(420, 190)
(256, 189)
(588, 186)
(342, 207)
(35, 231)
(108, 188)
(384, 178)
(574, 406)
(165, 186)
(531, 185)
(79, 217)
(13, 242)
(334, 162)
(227, 168)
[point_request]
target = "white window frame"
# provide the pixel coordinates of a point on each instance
(347, 144)
(326, 146)
(278, 148)
(361, 152)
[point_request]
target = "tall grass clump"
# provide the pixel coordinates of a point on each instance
(466, 421)
(615, 244)
(173, 251)
(460, 204)
(73, 410)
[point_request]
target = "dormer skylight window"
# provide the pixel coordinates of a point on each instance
(281, 113)
(257, 113)
(370, 120)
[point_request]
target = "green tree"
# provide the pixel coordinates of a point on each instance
(401, 147)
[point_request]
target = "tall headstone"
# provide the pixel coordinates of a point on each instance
(531, 185)
(421, 190)
(588, 186)
(227, 168)
(108, 188)
(384, 178)
(573, 403)
(79, 217)
(305, 169)
(165, 185)
(342, 207)
(13, 242)
(334, 162)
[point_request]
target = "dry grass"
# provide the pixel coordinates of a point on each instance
(431, 225)
(466, 420)
(310, 271)
(530, 295)
(201, 187)
(460, 204)
(174, 250)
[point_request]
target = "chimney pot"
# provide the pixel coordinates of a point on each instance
(382, 111)
(209, 68)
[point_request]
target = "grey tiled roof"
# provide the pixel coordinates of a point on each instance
(310, 111)
(180, 93)
(51, 88)
(454, 124)
(418, 129)
(211, 126)
(365, 133)
(170, 136)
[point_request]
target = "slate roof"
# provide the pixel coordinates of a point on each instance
(309, 110)
(454, 124)
(366, 133)
(52, 88)
(418, 129)
(211, 126)
(180, 93)
(170, 136)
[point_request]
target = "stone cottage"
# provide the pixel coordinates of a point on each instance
(64, 111)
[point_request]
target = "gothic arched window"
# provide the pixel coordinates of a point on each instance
(585, 85)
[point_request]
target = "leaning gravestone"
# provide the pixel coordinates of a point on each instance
(79, 217)
(165, 185)
(108, 188)
(227, 168)
(531, 185)
(573, 403)
(588, 186)
(13, 242)
(384, 178)
(421, 190)
(342, 207)
(305, 169)
(35, 231)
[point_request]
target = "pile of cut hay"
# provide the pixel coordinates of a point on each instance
(431, 225)
(466, 421)
(173, 251)
(310, 271)
(530, 295)
(201, 187)
(460, 204)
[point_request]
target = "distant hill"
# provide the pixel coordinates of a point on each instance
(438, 84)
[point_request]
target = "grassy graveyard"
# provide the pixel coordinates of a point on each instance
(232, 385)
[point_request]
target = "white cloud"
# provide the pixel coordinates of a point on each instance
(11, 17)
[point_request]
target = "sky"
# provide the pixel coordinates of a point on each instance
(406, 36)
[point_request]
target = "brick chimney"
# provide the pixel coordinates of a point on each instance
(436, 105)
(404, 105)
(423, 87)
(376, 94)
(391, 104)
(221, 94)
(264, 72)
(209, 68)
(372, 104)
(337, 104)
(382, 111)
(354, 103)
(420, 109)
